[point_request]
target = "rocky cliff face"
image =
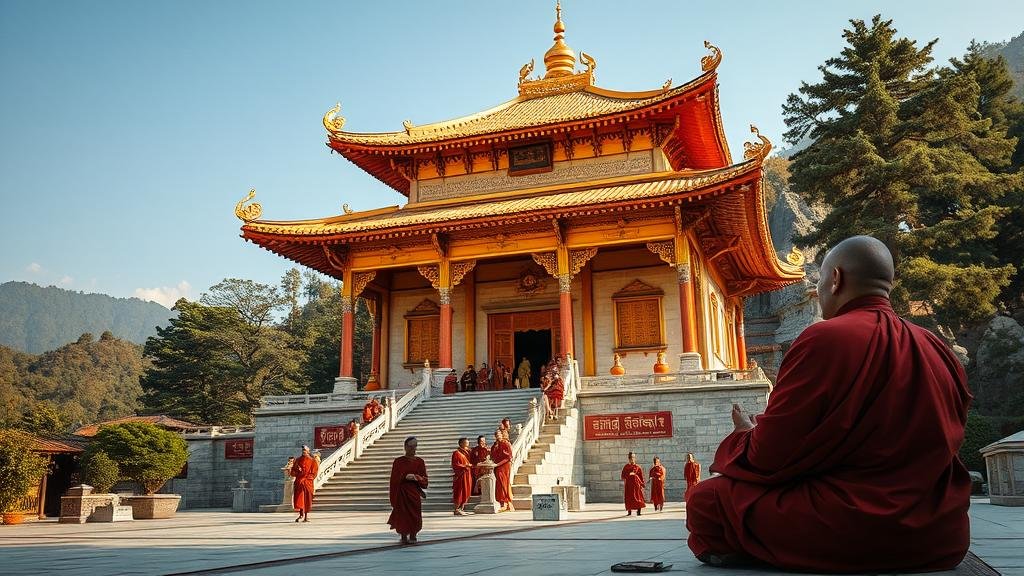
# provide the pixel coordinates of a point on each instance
(774, 319)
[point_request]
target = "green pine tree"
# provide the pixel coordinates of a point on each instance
(903, 153)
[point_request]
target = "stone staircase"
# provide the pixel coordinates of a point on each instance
(550, 459)
(437, 423)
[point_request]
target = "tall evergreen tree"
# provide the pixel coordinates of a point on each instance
(904, 154)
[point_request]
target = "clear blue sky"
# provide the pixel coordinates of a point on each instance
(128, 129)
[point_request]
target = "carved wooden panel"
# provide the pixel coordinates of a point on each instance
(422, 339)
(638, 323)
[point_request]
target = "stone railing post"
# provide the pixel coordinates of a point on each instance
(357, 449)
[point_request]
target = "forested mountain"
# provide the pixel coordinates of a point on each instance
(34, 319)
(1013, 52)
(88, 380)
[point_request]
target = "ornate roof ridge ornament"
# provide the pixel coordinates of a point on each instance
(332, 122)
(251, 212)
(711, 61)
(756, 150)
(560, 74)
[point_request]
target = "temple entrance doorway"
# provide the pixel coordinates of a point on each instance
(513, 335)
(535, 346)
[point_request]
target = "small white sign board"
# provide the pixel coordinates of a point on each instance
(547, 507)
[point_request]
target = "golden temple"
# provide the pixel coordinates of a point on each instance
(619, 198)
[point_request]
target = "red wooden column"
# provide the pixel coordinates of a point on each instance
(687, 314)
(444, 355)
(741, 341)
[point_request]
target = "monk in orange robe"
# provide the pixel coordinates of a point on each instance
(477, 455)
(304, 470)
(501, 454)
(633, 486)
(657, 476)
(367, 412)
(376, 407)
(853, 466)
(691, 472)
(451, 383)
(462, 477)
(483, 378)
(408, 479)
(351, 430)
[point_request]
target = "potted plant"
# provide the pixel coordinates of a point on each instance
(149, 456)
(21, 469)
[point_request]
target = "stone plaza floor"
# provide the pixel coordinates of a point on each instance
(219, 542)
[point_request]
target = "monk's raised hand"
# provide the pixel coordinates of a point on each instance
(740, 420)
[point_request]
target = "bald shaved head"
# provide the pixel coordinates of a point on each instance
(858, 266)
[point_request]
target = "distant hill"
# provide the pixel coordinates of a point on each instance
(1013, 51)
(34, 319)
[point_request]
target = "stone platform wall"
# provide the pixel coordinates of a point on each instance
(280, 434)
(211, 476)
(700, 420)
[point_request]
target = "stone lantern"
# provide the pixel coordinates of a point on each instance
(487, 504)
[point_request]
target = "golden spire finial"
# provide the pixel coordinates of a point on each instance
(559, 60)
(251, 212)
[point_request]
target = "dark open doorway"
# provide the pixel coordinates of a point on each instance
(535, 345)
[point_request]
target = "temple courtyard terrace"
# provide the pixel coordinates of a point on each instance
(589, 542)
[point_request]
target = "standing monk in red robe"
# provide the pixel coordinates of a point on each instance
(304, 470)
(501, 454)
(633, 485)
(691, 472)
(853, 466)
(657, 476)
(462, 477)
(408, 479)
(477, 455)
(451, 383)
(367, 412)
(483, 378)
(351, 430)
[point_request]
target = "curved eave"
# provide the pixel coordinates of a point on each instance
(698, 140)
(737, 195)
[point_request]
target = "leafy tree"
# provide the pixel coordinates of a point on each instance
(100, 471)
(291, 286)
(45, 417)
(144, 453)
(21, 469)
(904, 154)
(978, 433)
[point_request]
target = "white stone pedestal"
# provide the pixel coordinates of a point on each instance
(241, 500)
(548, 507)
(574, 497)
(690, 362)
(112, 513)
(487, 504)
(345, 385)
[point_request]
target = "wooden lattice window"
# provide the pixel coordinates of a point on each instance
(422, 334)
(639, 322)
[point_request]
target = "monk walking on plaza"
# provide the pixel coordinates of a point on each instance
(451, 383)
(462, 477)
(477, 455)
(691, 472)
(408, 479)
(633, 486)
(657, 476)
(304, 470)
(501, 454)
(853, 466)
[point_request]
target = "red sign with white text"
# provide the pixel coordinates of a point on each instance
(632, 426)
(238, 449)
(328, 436)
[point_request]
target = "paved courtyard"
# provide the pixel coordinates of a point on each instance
(219, 542)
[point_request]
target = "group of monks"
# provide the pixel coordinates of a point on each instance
(553, 387)
(634, 484)
(372, 410)
(472, 380)
(466, 468)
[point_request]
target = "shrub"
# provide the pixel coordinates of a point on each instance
(99, 470)
(21, 469)
(145, 453)
(979, 432)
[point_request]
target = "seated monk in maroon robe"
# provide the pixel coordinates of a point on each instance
(304, 470)
(451, 383)
(462, 477)
(501, 454)
(853, 466)
(477, 455)
(408, 479)
(633, 486)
